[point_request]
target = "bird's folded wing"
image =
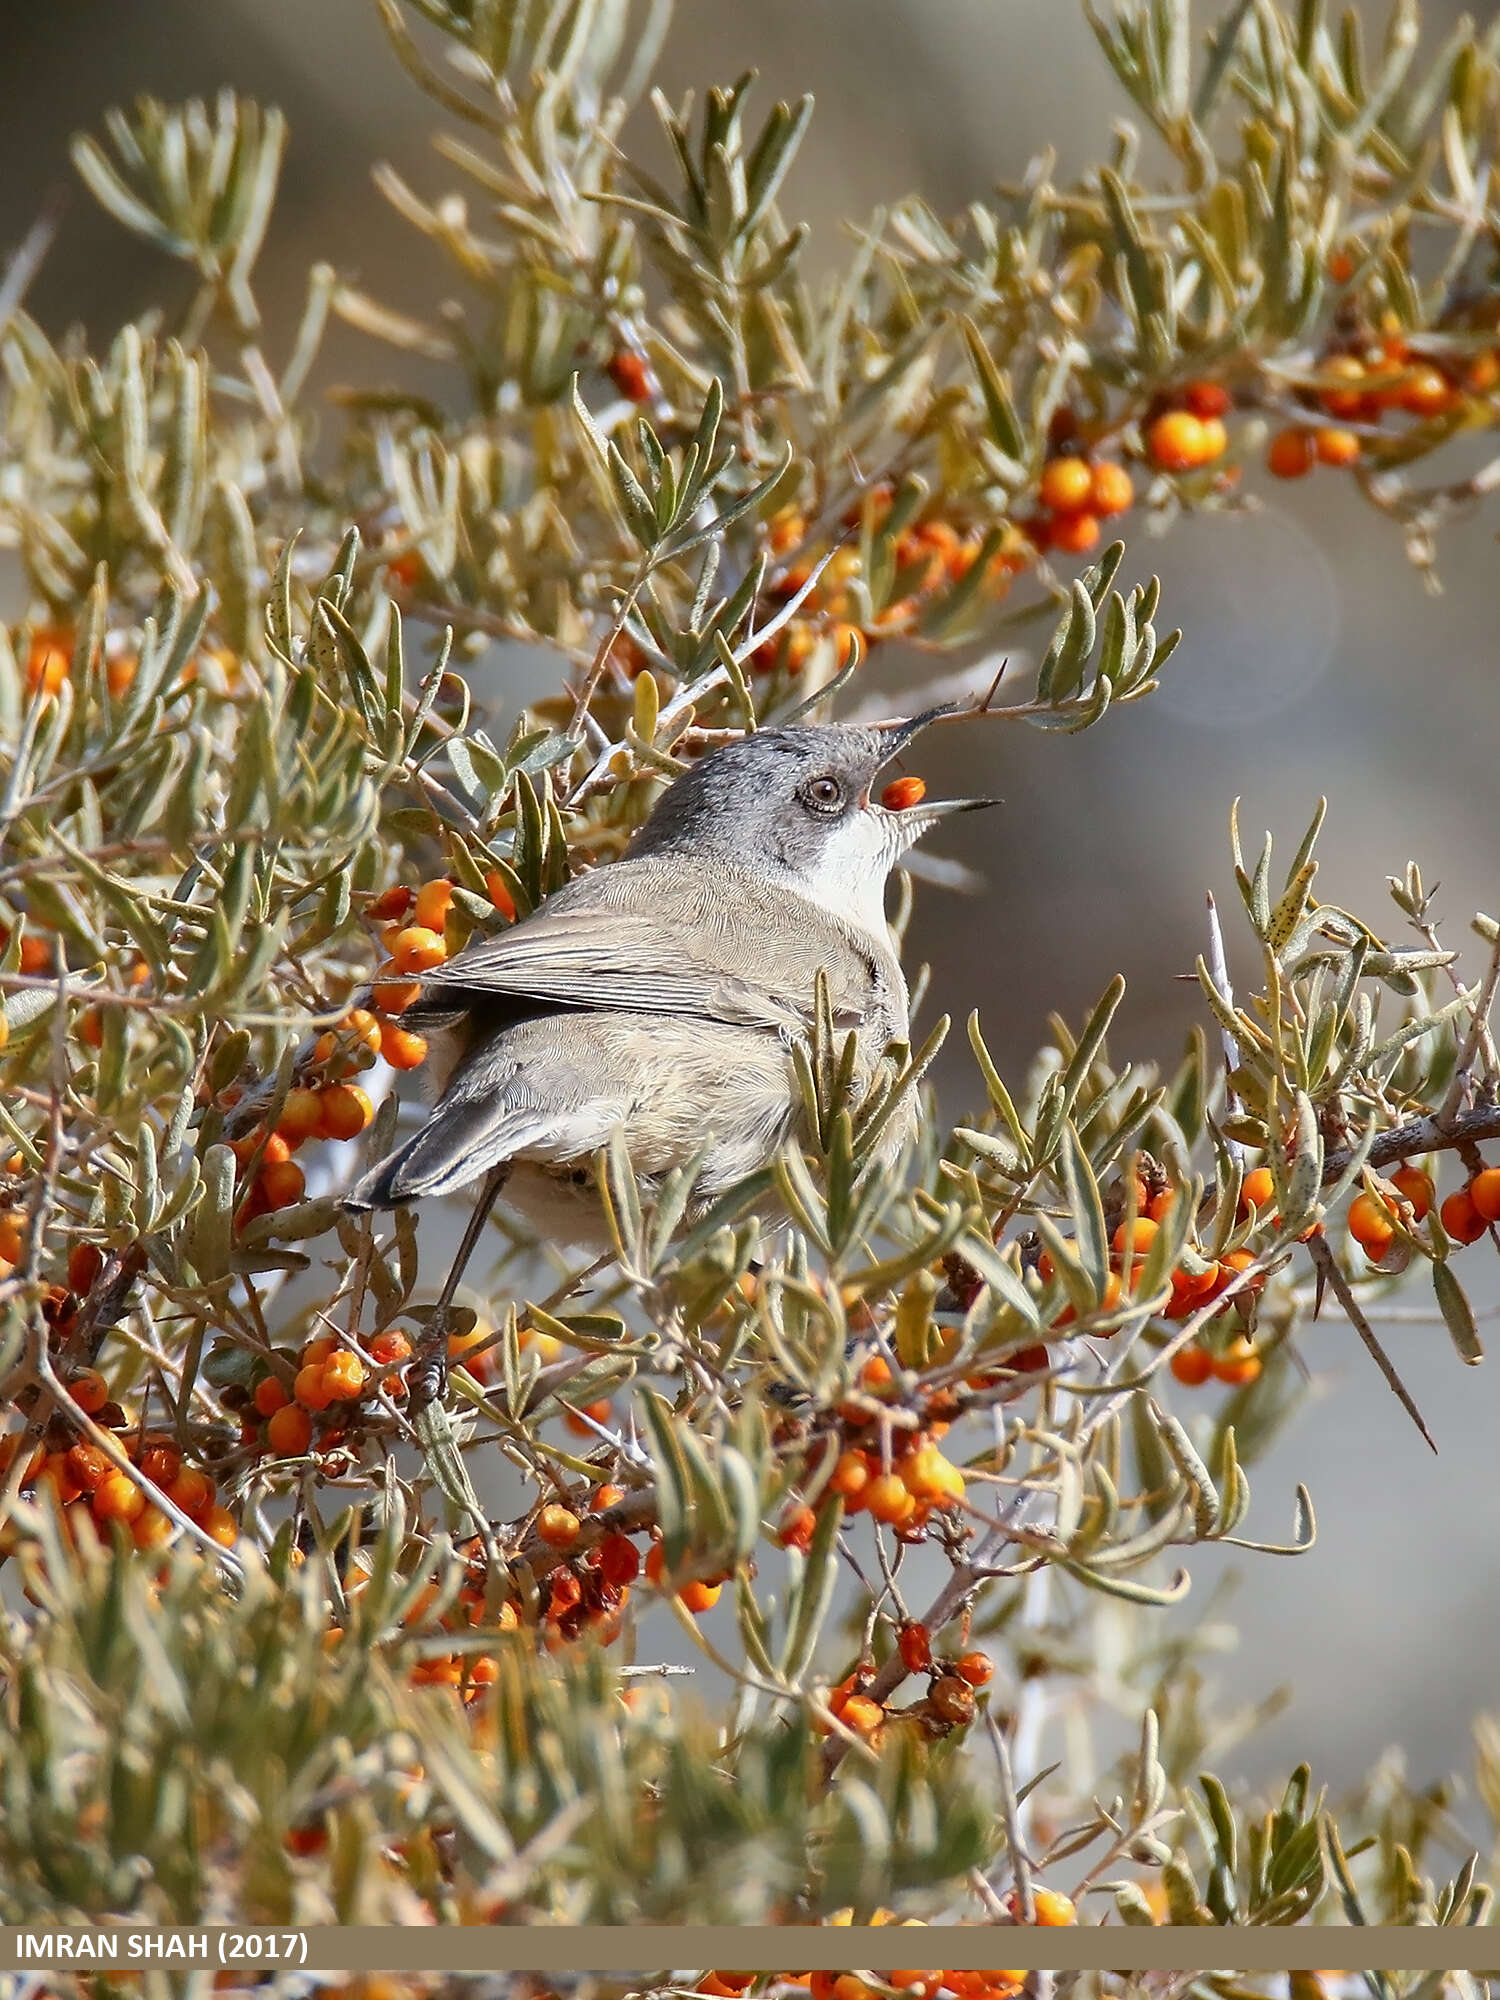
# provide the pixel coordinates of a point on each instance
(610, 960)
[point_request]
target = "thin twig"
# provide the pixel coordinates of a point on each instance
(1339, 1285)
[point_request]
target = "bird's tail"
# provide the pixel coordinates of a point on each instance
(460, 1141)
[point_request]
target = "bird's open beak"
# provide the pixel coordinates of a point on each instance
(899, 734)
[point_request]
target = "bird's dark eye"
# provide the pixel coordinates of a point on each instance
(823, 795)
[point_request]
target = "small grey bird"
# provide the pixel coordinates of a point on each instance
(662, 996)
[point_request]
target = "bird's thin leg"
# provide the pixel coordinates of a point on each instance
(429, 1378)
(494, 1181)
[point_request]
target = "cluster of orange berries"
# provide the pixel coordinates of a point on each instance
(1361, 385)
(416, 936)
(1195, 1283)
(901, 1489)
(419, 935)
(584, 1591)
(1465, 1214)
(319, 1382)
(273, 1179)
(1186, 431)
(930, 557)
(35, 955)
(49, 661)
(1078, 493)
(80, 1478)
(947, 1705)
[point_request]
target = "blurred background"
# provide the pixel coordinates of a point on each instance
(1315, 663)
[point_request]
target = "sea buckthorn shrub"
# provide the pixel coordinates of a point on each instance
(762, 1572)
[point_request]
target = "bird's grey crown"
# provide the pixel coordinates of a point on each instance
(743, 800)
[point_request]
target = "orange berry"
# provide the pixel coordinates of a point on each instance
(1053, 1909)
(1111, 489)
(1230, 1266)
(160, 1463)
(1427, 392)
(119, 673)
(12, 1222)
(89, 1390)
(796, 1528)
(1114, 1292)
(500, 895)
(91, 1028)
(192, 1490)
(118, 1498)
(301, 1116)
(1335, 446)
(394, 996)
(1067, 484)
(631, 374)
(289, 1432)
(1207, 399)
(85, 1265)
(390, 905)
(151, 1528)
(903, 793)
(1418, 1189)
(434, 901)
(876, 1373)
(558, 1526)
(282, 1183)
(1482, 374)
(1074, 534)
(1256, 1189)
(344, 1377)
(951, 1699)
(270, 1396)
(1461, 1219)
(1292, 454)
(927, 1474)
(1176, 441)
(87, 1466)
(360, 1027)
(888, 1498)
(1371, 1225)
(48, 658)
(863, 1716)
(619, 1560)
(851, 1476)
(418, 949)
(401, 1048)
(978, 1669)
(345, 1110)
(1141, 1234)
(1192, 1365)
(696, 1597)
(1238, 1364)
(1343, 402)
(1484, 1194)
(1215, 440)
(311, 1388)
(55, 1475)
(318, 1350)
(914, 1643)
(220, 1526)
(389, 1349)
